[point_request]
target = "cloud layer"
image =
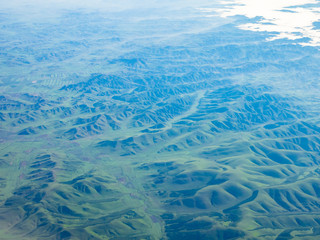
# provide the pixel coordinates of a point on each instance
(290, 19)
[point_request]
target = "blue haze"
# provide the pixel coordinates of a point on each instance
(155, 121)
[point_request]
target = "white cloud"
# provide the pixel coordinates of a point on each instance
(288, 18)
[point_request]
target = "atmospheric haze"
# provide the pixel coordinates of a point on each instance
(159, 120)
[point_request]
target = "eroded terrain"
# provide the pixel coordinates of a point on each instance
(215, 135)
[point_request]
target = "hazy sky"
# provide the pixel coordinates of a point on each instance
(103, 5)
